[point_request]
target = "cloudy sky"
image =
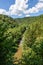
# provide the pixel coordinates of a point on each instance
(21, 8)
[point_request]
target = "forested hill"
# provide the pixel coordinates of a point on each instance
(20, 20)
(29, 30)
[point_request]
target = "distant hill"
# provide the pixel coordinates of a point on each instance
(25, 19)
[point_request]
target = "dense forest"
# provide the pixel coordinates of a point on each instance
(25, 31)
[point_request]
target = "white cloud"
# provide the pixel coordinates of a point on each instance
(35, 9)
(41, 0)
(20, 8)
(31, 10)
(27, 15)
(3, 11)
(39, 6)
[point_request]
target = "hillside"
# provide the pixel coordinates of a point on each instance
(28, 30)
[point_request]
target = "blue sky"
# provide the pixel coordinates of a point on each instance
(21, 8)
(5, 4)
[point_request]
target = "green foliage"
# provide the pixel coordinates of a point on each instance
(30, 31)
(30, 58)
(10, 36)
(33, 45)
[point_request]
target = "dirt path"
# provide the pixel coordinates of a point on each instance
(18, 54)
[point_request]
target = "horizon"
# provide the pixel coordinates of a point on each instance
(21, 9)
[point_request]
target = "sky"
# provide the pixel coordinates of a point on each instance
(21, 8)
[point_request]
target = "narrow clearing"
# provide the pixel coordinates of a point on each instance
(18, 54)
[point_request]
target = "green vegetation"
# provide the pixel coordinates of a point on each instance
(29, 31)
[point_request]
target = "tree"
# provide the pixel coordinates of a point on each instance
(33, 45)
